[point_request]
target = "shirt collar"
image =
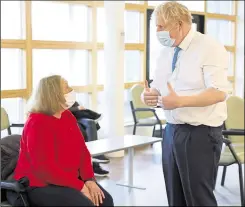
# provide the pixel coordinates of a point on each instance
(187, 40)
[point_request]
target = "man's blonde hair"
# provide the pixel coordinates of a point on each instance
(171, 12)
(48, 98)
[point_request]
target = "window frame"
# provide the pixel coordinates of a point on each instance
(22, 69)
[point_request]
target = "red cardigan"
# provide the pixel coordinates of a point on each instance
(53, 151)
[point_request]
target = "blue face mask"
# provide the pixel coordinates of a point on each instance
(165, 39)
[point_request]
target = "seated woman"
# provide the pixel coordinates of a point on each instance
(87, 120)
(53, 154)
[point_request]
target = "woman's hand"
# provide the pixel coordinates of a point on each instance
(86, 192)
(95, 192)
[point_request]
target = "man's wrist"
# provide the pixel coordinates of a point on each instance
(183, 101)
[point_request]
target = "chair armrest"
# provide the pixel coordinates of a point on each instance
(234, 132)
(17, 125)
(226, 141)
(12, 185)
(144, 109)
(151, 110)
(158, 106)
(150, 81)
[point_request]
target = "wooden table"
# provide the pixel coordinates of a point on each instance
(127, 142)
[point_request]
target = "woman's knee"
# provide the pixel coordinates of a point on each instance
(108, 201)
(57, 196)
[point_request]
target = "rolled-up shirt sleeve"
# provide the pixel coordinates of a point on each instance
(215, 69)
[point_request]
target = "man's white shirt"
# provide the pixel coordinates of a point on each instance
(202, 63)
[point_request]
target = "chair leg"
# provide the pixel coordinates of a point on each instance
(216, 175)
(153, 132)
(134, 130)
(223, 176)
(9, 131)
(241, 183)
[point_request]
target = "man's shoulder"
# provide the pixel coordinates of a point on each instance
(211, 50)
(206, 41)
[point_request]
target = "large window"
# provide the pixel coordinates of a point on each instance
(153, 46)
(221, 30)
(133, 57)
(13, 60)
(41, 38)
(12, 20)
(73, 65)
(133, 26)
(60, 21)
(101, 67)
(194, 5)
(220, 7)
(128, 118)
(191, 5)
(13, 69)
(83, 99)
(100, 25)
(132, 66)
(134, 2)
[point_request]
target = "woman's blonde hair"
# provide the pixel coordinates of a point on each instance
(172, 12)
(48, 98)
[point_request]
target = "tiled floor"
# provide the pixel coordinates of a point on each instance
(148, 173)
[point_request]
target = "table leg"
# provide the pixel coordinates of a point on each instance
(131, 170)
(131, 166)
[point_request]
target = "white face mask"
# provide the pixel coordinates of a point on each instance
(70, 98)
(165, 39)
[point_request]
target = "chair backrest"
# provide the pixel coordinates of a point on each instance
(135, 93)
(4, 119)
(235, 120)
(10, 146)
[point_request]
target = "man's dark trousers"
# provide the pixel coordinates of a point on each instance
(190, 156)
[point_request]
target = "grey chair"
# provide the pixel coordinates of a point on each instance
(234, 141)
(5, 123)
(7, 142)
(10, 146)
(143, 115)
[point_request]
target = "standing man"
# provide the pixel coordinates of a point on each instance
(191, 86)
